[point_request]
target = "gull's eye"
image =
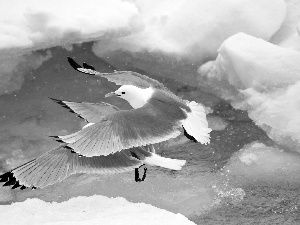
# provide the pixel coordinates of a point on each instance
(123, 92)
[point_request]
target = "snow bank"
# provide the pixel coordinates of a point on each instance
(88, 210)
(170, 26)
(40, 24)
(261, 78)
(28, 26)
(185, 28)
(197, 28)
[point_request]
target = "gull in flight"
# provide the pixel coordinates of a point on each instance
(157, 116)
(61, 162)
(114, 140)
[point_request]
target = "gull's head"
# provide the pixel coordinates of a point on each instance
(137, 97)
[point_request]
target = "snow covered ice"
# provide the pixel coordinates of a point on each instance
(203, 29)
(287, 36)
(262, 78)
(259, 162)
(88, 210)
(240, 58)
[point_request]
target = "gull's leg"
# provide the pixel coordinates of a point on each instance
(144, 175)
(137, 175)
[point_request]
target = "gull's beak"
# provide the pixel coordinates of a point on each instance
(111, 94)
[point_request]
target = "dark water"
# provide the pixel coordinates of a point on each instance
(229, 181)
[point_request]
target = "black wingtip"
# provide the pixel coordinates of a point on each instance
(189, 136)
(8, 178)
(17, 184)
(56, 100)
(60, 102)
(74, 64)
(23, 187)
(86, 66)
(11, 182)
(56, 138)
(86, 69)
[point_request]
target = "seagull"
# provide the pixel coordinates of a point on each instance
(61, 162)
(157, 115)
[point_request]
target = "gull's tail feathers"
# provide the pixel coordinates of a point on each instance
(156, 160)
(196, 124)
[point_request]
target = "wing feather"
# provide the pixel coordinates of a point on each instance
(91, 112)
(44, 171)
(53, 170)
(119, 77)
(61, 162)
(126, 129)
(28, 175)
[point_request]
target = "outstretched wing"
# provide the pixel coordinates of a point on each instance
(126, 129)
(119, 77)
(59, 163)
(91, 112)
